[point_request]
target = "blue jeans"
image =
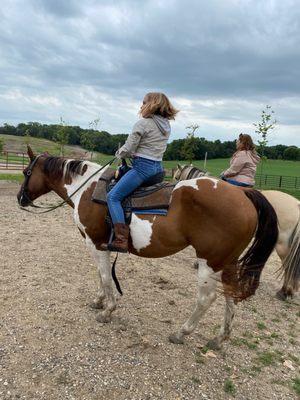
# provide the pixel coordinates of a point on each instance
(236, 183)
(142, 169)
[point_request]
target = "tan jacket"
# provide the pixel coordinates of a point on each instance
(242, 167)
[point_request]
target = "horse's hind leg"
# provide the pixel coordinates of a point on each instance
(226, 328)
(207, 282)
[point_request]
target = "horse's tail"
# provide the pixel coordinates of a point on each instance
(250, 265)
(291, 263)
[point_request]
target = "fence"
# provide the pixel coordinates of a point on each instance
(278, 181)
(10, 160)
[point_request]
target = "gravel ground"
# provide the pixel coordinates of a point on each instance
(51, 346)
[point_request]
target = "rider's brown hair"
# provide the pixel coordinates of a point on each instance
(245, 143)
(159, 104)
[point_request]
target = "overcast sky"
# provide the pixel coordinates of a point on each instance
(220, 62)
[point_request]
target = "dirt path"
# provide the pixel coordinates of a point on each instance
(51, 346)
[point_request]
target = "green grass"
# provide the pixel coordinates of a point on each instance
(267, 358)
(261, 325)
(229, 387)
(216, 166)
(11, 177)
(271, 167)
(296, 385)
(17, 144)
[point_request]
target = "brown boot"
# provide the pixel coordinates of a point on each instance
(120, 242)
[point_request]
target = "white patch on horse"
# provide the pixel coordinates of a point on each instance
(141, 232)
(193, 183)
(188, 183)
(77, 181)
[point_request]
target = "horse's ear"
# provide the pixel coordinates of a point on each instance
(179, 167)
(30, 153)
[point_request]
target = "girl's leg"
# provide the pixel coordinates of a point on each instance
(127, 184)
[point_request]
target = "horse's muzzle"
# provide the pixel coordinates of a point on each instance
(23, 200)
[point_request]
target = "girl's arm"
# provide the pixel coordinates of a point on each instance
(235, 167)
(132, 142)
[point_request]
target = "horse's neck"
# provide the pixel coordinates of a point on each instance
(74, 186)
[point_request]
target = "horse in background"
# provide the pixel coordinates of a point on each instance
(287, 247)
(198, 216)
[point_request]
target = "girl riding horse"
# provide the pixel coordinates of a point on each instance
(146, 146)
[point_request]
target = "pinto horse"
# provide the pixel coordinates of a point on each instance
(217, 219)
(287, 247)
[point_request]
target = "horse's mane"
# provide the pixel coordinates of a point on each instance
(59, 167)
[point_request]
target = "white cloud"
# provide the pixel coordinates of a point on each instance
(219, 61)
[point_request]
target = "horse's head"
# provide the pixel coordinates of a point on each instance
(176, 173)
(35, 182)
(187, 172)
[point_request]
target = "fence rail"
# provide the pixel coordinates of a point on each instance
(10, 160)
(278, 181)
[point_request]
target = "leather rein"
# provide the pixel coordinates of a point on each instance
(50, 208)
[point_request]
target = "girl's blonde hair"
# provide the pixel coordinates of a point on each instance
(159, 104)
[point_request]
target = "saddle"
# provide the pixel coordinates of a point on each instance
(153, 197)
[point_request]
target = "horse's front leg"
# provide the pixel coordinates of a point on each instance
(226, 328)
(98, 303)
(104, 269)
(106, 298)
(207, 282)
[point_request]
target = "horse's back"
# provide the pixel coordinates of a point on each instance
(286, 207)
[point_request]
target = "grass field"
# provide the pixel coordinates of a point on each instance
(214, 167)
(270, 167)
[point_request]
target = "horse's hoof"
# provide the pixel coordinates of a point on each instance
(175, 339)
(95, 305)
(213, 344)
(104, 319)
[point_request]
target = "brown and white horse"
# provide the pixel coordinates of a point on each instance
(217, 219)
(287, 247)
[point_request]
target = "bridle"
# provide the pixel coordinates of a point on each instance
(46, 209)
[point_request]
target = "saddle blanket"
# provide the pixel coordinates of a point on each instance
(145, 200)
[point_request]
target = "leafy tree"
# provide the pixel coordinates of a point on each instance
(263, 129)
(190, 144)
(292, 153)
(89, 138)
(27, 137)
(61, 136)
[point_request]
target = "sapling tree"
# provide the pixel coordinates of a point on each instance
(189, 147)
(263, 129)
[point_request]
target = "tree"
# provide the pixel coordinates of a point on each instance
(27, 137)
(61, 136)
(189, 146)
(292, 153)
(263, 129)
(88, 139)
(1, 145)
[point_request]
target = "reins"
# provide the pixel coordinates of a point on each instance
(54, 207)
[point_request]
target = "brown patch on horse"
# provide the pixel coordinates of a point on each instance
(243, 282)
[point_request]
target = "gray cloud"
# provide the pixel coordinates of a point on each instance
(95, 56)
